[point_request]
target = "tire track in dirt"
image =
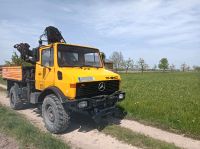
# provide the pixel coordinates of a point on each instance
(178, 140)
(82, 133)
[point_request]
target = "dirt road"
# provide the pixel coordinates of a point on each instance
(84, 135)
(178, 140)
(7, 142)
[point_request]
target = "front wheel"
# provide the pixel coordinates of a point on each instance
(55, 117)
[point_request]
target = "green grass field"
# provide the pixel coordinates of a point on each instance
(167, 100)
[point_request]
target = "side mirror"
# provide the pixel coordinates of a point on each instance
(36, 56)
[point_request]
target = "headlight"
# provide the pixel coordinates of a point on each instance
(82, 104)
(121, 96)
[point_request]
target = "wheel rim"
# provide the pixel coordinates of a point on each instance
(50, 113)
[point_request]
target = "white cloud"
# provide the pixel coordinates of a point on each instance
(149, 19)
(138, 26)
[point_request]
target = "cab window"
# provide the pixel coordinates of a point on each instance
(47, 57)
(92, 59)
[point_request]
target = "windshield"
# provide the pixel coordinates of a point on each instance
(75, 56)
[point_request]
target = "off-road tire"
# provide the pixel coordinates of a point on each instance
(55, 117)
(15, 102)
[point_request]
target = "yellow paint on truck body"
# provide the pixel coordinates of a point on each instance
(47, 77)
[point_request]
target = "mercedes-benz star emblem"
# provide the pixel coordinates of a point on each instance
(102, 86)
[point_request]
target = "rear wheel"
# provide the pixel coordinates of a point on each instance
(15, 102)
(55, 117)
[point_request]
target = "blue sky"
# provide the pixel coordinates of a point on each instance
(150, 29)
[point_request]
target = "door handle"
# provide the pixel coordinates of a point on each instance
(39, 73)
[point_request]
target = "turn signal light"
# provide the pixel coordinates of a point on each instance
(72, 85)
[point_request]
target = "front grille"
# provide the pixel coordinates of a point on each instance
(90, 89)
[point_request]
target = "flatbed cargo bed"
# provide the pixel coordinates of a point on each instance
(17, 73)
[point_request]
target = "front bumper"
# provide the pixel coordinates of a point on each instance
(98, 106)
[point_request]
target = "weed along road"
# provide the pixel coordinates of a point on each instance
(85, 137)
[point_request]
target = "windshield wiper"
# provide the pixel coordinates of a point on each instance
(81, 66)
(88, 66)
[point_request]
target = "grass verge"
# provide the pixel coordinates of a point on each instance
(167, 100)
(136, 139)
(15, 125)
(2, 81)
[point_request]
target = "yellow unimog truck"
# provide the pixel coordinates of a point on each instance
(61, 79)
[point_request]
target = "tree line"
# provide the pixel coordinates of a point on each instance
(121, 64)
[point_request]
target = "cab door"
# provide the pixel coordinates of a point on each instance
(45, 69)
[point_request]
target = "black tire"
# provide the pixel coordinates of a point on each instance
(15, 102)
(55, 117)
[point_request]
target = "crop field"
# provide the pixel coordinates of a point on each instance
(167, 100)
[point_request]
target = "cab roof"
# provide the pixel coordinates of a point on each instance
(69, 45)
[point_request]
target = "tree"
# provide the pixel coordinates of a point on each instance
(183, 67)
(142, 65)
(136, 67)
(103, 56)
(172, 67)
(128, 64)
(117, 59)
(154, 67)
(188, 68)
(16, 61)
(163, 64)
(196, 68)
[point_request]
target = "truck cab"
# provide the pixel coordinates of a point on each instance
(77, 71)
